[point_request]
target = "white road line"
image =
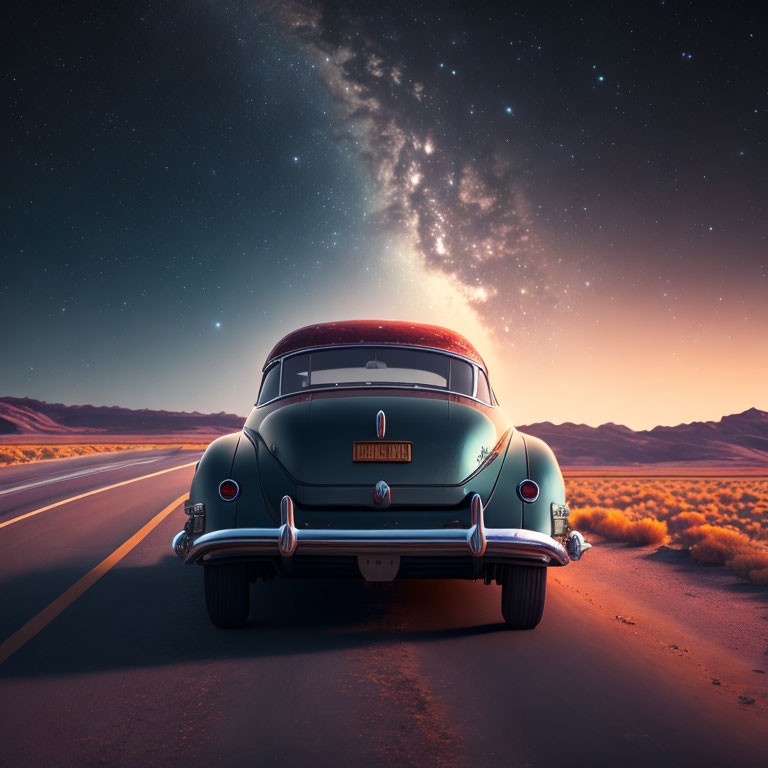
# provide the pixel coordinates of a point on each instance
(91, 493)
(81, 473)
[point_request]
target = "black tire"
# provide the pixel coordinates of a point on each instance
(523, 591)
(227, 595)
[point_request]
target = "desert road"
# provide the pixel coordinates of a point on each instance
(108, 657)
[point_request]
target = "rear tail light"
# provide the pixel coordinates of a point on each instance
(528, 491)
(229, 490)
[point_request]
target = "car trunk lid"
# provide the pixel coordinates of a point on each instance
(313, 439)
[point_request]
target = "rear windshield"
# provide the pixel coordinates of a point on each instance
(372, 366)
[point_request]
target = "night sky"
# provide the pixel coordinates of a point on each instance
(580, 188)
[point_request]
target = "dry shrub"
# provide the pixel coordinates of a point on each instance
(752, 565)
(688, 537)
(16, 454)
(587, 517)
(647, 531)
(614, 524)
(718, 545)
(722, 520)
(684, 520)
(725, 497)
(759, 577)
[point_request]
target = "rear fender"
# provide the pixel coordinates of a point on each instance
(215, 466)
(545, 471)
(263, 483)
(504, 509)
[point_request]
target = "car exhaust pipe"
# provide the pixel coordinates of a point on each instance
(576, 545)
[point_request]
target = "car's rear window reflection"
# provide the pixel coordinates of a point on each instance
(375, 366)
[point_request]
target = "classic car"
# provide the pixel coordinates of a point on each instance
(377, 450)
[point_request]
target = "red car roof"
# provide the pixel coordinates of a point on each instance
(348, 332)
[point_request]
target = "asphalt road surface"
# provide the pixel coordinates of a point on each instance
(108, 657)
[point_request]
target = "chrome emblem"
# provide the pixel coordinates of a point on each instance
(381, 494)
(381, 424)
(476, 534)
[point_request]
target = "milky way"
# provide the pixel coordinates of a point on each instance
(447, 173)
(578, 187)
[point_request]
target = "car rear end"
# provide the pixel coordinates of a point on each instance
(378, 463)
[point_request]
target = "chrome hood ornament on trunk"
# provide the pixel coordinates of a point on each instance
(381, 424)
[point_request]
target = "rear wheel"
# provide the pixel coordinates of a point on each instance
(523, 591)
(227, 595)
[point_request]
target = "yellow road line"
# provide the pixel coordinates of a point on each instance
(61, 603)
(90, 493)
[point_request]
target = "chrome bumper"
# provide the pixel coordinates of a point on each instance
(495, 544)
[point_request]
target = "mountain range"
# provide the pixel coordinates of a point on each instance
(739, 439)
(26, 417)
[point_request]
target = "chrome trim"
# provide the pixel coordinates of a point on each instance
(276, 360)
(180, 544)
(520, 495)
(377, 386)
(229, 480)
(382, 495)
(576, 545)
(502, 544)
(370, 346)
(476, 537)
(478, 370)
(264, 372)
(287, 538)
(381, 424)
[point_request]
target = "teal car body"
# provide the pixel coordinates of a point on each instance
(377, 450)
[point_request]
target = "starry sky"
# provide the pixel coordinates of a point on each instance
(579, 188)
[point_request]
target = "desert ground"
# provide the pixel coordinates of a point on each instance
(652, 650)
(717, 520)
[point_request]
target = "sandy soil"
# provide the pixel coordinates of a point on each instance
(703, 615)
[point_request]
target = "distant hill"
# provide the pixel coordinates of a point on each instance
(738, 439)
(24, 416)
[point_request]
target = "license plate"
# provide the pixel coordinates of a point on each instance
(379, 450)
